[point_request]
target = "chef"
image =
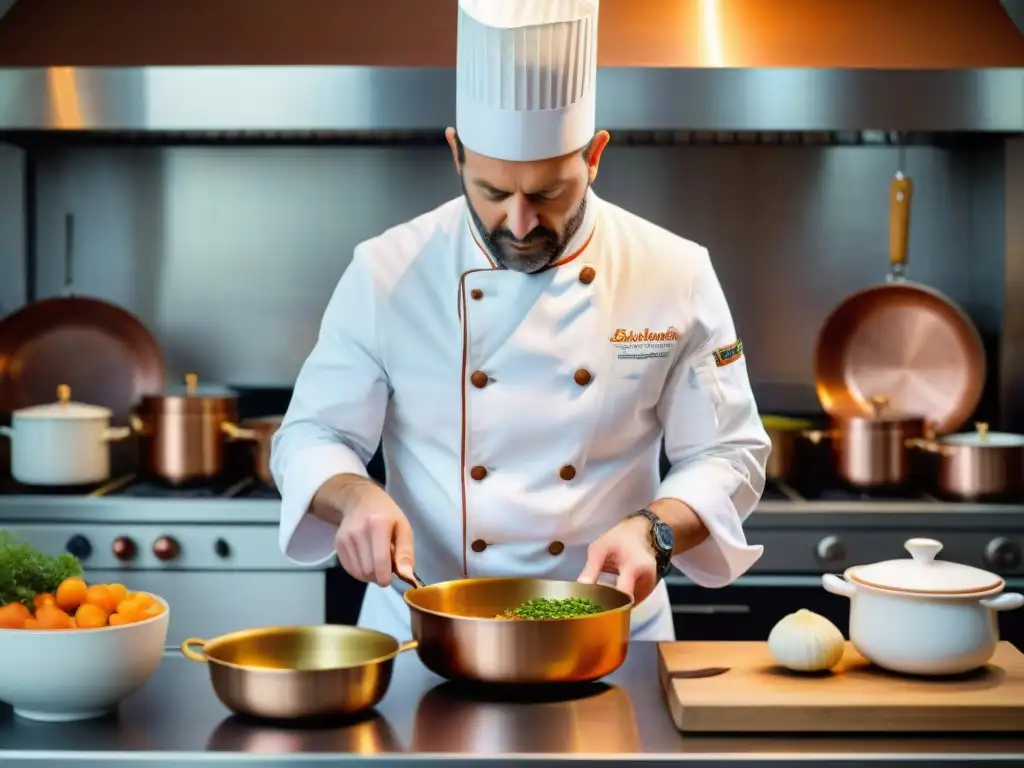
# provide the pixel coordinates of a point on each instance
(520, 353)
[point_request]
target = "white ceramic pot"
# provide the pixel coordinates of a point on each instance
(62, 443)
(923, 616)
(78, 674)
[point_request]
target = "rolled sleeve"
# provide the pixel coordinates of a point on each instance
(714, 439)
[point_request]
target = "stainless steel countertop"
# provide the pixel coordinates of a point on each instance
(177, 720)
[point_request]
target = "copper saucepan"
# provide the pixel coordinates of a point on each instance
(459, 638)
(299, 672)
(184, 432)
(873, 451)
(904, 340)
(262, 430)
(978, 465)
(784, 434)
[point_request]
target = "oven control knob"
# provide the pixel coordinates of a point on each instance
(166, 548)
(831, 550)
(79, 546)
(221, 548)
(1001, 554)
(123, 548)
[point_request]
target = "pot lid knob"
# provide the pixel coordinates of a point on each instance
(63, 394)
(923, 551)
(879, 403)
(982, 428)
(191, 383)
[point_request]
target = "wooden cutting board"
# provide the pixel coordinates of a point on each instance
(756, 696)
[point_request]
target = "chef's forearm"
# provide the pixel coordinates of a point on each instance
(339, 494)
(687, 527)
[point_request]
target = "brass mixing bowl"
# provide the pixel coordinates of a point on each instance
(299, 672)
(458, 637)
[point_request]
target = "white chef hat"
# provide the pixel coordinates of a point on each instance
(526, 77)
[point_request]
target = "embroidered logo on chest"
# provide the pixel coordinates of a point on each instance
(643, 345)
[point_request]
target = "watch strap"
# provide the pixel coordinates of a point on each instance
(661, 555)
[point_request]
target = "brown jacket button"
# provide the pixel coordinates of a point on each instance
(478, 473)
(477, 294)
(568, 472)
(556, 547)
(479, 379)
(582, 377)
(587, 275)
(479, 545)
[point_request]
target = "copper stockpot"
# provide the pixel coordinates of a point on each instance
(262, 430)
(458, 637)
(784, 434)
(299, 672)
(978, 465)
(873, 451)
(184, 433)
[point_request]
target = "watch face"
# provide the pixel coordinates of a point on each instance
(663, 535)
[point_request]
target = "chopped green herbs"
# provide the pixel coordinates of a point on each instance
(553, 608)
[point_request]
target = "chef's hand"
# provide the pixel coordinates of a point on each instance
(374, 536)
(624, 550)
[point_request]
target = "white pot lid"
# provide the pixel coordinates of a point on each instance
(924, 574)
(64, 408)
(983, 438)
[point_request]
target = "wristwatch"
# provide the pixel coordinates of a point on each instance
(662, 541)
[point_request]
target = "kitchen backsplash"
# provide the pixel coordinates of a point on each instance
(230, 253)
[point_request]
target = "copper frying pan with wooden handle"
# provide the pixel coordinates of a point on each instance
(903, 341)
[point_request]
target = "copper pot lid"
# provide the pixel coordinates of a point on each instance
(924, 575)
(64, 408)
(192, 389)
(983, 438)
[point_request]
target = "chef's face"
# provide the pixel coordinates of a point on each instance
(526, 212)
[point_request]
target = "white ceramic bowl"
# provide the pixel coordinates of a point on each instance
(78, 674)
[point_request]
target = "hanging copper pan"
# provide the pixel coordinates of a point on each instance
(901, 341)
(104, 353)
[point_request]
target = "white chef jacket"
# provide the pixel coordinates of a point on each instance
(521, 415)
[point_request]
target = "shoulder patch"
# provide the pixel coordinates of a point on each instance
(730, 353)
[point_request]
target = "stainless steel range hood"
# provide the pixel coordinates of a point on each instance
(325, 67)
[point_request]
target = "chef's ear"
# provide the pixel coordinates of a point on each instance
(458, 152)
(594, 150)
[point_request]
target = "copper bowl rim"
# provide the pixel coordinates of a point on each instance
(242, 634)
(490, 620)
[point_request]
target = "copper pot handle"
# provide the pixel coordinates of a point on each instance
(138, 425)
(929, 446)
(235, 432)
(191, 655)
(816, 436)
(901, 193)
(408, 645)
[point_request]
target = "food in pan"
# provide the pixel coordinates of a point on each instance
(551, 608)
(42, 592)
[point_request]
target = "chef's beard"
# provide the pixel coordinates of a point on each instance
(551, 248)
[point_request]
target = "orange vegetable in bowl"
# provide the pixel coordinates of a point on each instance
(101, 596)
(13, 616)
(74, 604)
(71, 593)
(89, 616)
(49, 616)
